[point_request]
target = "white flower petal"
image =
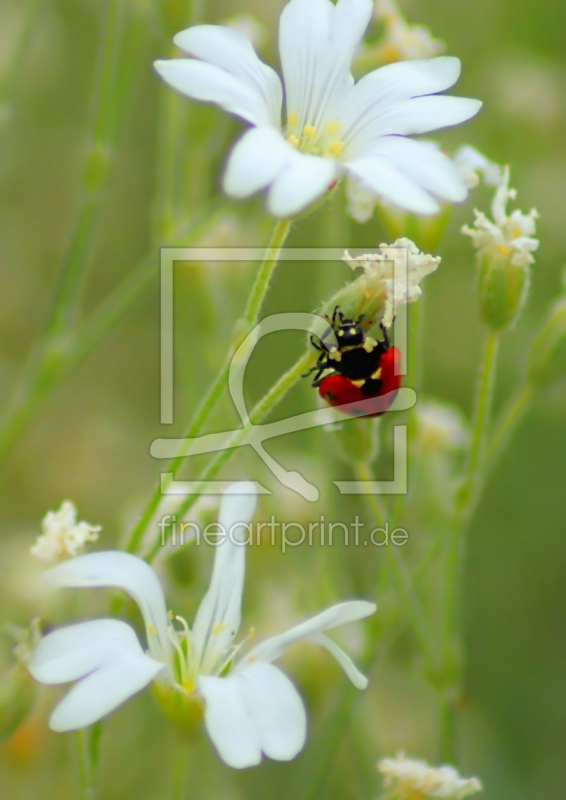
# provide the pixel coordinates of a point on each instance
(381, 176)
(210, 84)
(276, 710)
(104, 690)
(256, 160)
(403, 80)
(423, 114)
(358, 678)
(302, 182)
(317, 40)
(423, 163)
(388, 87)
(228, 723)
(332, 617)
(123, 571)
(238, 504)
(72, 652)
(218, 618)
(232, 51)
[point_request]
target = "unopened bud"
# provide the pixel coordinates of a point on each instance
(503, 290)
(547, 356)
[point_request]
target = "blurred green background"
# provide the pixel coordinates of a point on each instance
(89, 440)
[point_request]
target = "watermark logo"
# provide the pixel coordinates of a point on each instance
(251, 435)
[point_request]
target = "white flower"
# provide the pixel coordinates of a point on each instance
(509, 236)
(333, 126)
(472, 165)
(407, 779)
(250, 706)
(63, 537)
(396, 272)
(403, 41)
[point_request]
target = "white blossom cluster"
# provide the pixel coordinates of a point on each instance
(507, 235)
(408, 779)
(395, 270)
(63, 537)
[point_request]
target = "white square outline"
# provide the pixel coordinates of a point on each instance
(170, 255)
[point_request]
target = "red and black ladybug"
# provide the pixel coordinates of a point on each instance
(358, 370)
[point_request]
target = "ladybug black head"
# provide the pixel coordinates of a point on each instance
(349, 334)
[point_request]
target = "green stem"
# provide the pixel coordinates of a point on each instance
(95, 172)
(482, 414)
(180, 771)
(135, 537)
(261, 284)
(257, 414)
(86, 766)
(401, 578)
(469, 495)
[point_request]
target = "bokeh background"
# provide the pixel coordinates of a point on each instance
(89, 438)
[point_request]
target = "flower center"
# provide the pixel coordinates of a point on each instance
(323, 142)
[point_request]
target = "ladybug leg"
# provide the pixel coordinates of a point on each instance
(314, 344)
(385, 333)
(360, 319)
(334, 315)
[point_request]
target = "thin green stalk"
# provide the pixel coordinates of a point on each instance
(135, 537)
(469, 495)
(180, 770)
(472, 481)
(257, 414)
(95, 171)
(401, 578)
(85, 765)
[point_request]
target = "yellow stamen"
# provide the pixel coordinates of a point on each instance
(292, 139)
(336, 147)
(503, 250)
(251, 659)
(170, 614)
(309, 131)
(151, 629)
(516, 233)
(292, 118)
(217, 628)
(189, 686)
(251, 634)
(333, 127)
